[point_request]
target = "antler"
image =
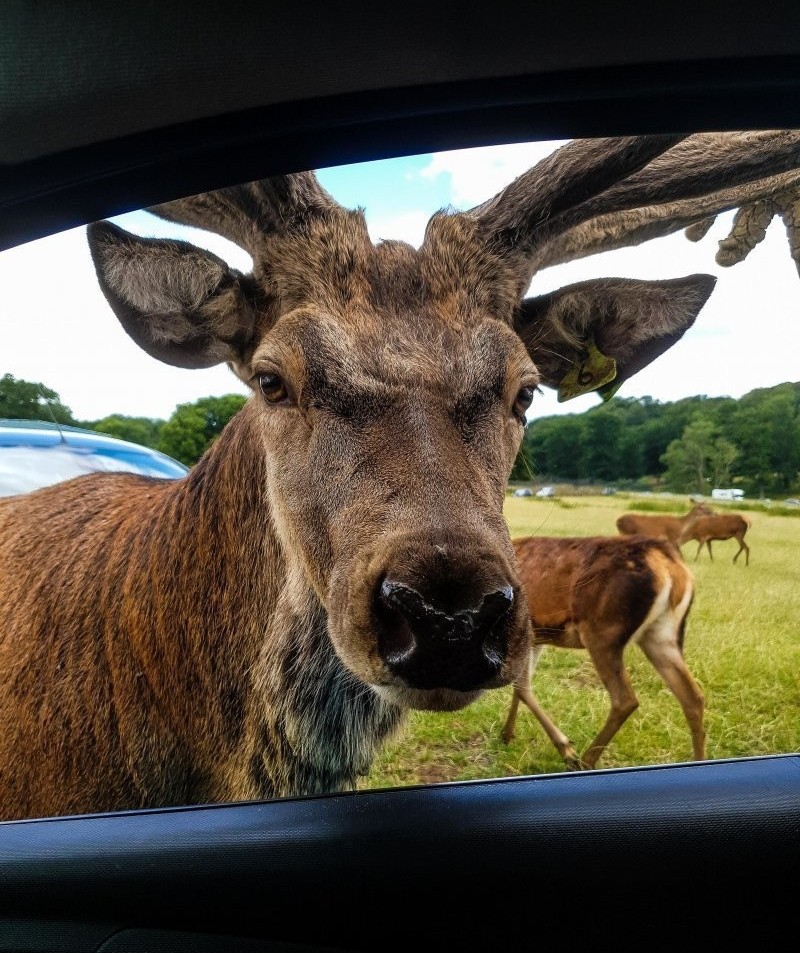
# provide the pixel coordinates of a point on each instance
(751, 222)
(596, 195)
(756, 172)
(244, 214)
(591, 195)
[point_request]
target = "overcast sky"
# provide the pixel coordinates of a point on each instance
(56, 327)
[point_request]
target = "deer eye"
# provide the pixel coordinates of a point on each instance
(523, 401)
(273, 388)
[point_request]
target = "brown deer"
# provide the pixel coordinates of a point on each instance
(717, 526)
(339, 555)
(659, 525)
(602, 594)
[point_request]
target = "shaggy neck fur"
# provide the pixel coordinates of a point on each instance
(197, 616)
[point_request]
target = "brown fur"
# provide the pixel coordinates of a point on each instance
(339, 555)
(664, 527)
(600, 594)
(158, 659)
(718, 526)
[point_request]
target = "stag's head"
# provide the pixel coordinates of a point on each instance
(390, 386)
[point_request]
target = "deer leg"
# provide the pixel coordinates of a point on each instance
(523, 692)
(508, 733)
(613, 674)
(743, 546)
(710, 554)
(559, 740)
(699, 547)
(667, 659)
(521, 682)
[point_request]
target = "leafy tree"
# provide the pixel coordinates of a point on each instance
(630, 464)
(31, 400)
(142, 430)
(603, 455)
(755, 438)
(554, 446)
(784, 418)
(193, 427)
(699, 458)
(766, 425)
(720, 460)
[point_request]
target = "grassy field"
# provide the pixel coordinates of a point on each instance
(742, 646)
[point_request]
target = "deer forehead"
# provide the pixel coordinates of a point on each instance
(416, 350)
(455, 277)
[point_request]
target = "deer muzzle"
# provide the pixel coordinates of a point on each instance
(431, 642)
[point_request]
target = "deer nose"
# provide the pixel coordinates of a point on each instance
(431, 645)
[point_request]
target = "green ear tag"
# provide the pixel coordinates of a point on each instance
(593, 372)
(607, 391)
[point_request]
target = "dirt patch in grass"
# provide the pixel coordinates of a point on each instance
(432, 773)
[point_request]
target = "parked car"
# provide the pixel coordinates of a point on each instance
(727, 493)
(111, 107)
(546, 491)
(36, 453)
(523, 491)
(791, 501)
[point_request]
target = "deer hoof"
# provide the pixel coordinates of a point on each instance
(573, 762)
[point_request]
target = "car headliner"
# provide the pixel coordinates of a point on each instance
(97, 96)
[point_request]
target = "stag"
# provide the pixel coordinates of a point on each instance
(339, 555)
(664, 527)
(602, 594)
(717, 526)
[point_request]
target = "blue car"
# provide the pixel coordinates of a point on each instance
(35, 453)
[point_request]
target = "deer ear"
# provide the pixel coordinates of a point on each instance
(179, 303)
(594, 335)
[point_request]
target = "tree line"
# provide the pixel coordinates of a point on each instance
(687, 446)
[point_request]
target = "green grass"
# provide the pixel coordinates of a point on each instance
(742, 646)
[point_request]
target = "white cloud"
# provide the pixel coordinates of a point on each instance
(406, 227)
(477, 174)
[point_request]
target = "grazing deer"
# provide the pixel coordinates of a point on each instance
(602, 594)
(665, 527)
(717, 526)
(339, 555)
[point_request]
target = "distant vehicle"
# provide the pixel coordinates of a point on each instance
(608, 491)
(546, 491)
(523, 491)
(727, 494)
(35, 453)
(792, 501)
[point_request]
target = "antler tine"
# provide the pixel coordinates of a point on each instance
(569, 177)
(678, 189)
(595, 195)
(635, 226)
(245, 213)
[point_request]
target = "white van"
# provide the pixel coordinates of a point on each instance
(727, 494)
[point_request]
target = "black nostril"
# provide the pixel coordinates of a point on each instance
(402, 597)
(434, 642)
(455, 625)
(493, 607)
